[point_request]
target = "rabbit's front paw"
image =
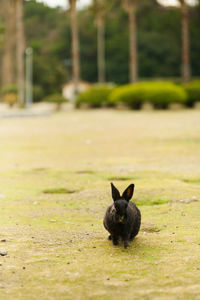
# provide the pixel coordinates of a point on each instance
(126, 244)
(115, 241)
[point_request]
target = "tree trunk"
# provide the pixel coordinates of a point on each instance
(185, 68)
(20, 50)
(8, 76)
(133, 46)
(101, 49)
(75, 46)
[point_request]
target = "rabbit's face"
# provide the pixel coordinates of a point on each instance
(121, 209)
(121, 202)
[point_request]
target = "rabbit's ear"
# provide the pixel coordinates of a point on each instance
(115, 192)
(128, 193)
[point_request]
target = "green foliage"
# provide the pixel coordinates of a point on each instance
(159, 43)
(43, 29)
(58, 191)
(150, 202)
(160, 94)
(9, 89)
(38, 93)
(194, 40)
(88, 47)
(159, 40)
(96, 96)
(55, 98)
(131, 95)
(48, 73)
(193, 92)
(48, 32)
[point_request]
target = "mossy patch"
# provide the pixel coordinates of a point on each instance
(150, 202)
(192, 180)
(59, 191)
(86, 172)
(40, 169)
(119, 178)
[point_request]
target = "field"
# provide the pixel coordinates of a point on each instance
(54, 189)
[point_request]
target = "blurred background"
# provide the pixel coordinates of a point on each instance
(61, 47)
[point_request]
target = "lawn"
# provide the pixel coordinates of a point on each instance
(55, 187)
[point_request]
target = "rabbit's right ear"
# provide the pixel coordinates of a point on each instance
(115, 192)
(128, 193)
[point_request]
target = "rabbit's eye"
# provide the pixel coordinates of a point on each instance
(121, 207)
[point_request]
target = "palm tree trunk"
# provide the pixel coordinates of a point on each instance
(20, 50)
(75, 46)
(9, 44)
(101, 49)
(185, 69)
(133, 46)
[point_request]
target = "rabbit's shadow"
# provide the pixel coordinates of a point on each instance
(140, 246)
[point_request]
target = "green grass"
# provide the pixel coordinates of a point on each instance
(192, 180)
(55, 187)
(119, 178)
(58, 191)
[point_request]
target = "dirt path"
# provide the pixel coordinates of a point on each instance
(54, 189)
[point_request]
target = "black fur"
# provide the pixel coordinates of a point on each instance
(122, 218)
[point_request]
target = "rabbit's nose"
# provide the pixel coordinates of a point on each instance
(121, 219)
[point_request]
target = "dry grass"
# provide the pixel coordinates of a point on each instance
(57, 247)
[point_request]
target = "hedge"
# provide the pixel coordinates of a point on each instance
(94, 97)
(159, 94)
(193, 92)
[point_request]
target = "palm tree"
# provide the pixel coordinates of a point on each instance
(130, 7)
(20, 49)
(9, 43)
(99, 10)
(1, 33)
(75, 45)
(185, 66)
(99, 13)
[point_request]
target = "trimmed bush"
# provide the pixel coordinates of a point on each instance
(159, 94)
(164, 93)
(193, 92)
(94, 97)
(9, 93)
(131, 95)
(56, 98)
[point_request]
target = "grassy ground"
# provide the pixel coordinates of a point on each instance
(55, 179)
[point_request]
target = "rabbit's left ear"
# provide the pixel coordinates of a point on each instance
(128, 193)
(115, 192)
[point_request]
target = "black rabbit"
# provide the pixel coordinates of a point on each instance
(122, 218)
